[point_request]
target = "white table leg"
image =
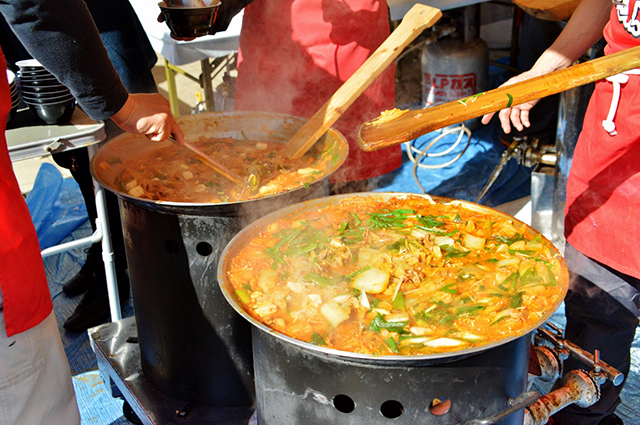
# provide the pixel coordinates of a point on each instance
(102, 222)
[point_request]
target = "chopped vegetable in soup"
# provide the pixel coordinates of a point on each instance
(171, 173)
(398, 276)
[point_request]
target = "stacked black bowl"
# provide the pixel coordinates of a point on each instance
(46, 97)
(15, 94)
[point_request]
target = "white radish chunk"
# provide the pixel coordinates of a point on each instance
(372, 281)
(518, 245)
(341, 299)
(364, 300)
(444, 343)
(473, 242)
(136, 191)
(468, 336)
(130, 185)
(443, 240)
(308, 171)
(398, 317)
(505, 262)
(334, 313)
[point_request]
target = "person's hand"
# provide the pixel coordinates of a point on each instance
(148, 114)
(518, 115)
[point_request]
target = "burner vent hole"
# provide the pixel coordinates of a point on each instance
(344, 403)
(204, 249)
(391, 409)
(171, 246)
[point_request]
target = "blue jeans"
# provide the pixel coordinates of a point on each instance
(126, 42)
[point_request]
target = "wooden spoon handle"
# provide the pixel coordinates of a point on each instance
(417, 19)
(376, 135)
(206, 159)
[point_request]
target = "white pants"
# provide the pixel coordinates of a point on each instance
(35, 380)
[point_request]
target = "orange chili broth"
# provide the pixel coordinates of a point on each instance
(251, 260)
(233, 154)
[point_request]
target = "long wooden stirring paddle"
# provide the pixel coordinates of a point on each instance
(206, 159)
(417, 19)
(377, 134)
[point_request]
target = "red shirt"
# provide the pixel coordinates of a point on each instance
(295, 54)
(23, 281)
(602, 217)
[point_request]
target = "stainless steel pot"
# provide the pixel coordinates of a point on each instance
(298, 382)
(193, 346)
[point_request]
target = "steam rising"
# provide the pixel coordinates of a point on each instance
(294, 66)
(596, 278)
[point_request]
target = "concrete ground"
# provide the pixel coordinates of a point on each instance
(187, 90)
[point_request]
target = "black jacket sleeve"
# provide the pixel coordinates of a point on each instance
(62, 36)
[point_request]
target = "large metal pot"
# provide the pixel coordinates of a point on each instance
(301, 383)
(193, 346)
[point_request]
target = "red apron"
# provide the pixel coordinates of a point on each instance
(294, 54)
(602, 217)
(27, 300)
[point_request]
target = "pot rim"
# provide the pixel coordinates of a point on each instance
(242, 238)
(189, 206)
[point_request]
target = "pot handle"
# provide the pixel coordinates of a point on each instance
(520, 402)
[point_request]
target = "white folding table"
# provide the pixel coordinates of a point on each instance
(177, 53)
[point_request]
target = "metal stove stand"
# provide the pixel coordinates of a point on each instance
(118, 355)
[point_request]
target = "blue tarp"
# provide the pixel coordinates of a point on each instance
(56, 206)
(465, 178)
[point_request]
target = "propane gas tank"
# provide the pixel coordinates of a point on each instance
(454, 70)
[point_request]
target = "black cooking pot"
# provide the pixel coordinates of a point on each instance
(193, 345)
(302, 383)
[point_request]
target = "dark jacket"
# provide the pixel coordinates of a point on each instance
(61, 34)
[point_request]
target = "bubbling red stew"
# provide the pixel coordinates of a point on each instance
(399, 275)
(171, 173)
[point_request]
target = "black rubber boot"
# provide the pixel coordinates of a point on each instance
(92, 265)
(93, 309)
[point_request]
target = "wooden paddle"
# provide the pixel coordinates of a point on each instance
(377, 134)
(417, 19)
(206, 159)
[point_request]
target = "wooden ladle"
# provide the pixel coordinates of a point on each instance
(206, 159)
(417, 19)
(377, 134)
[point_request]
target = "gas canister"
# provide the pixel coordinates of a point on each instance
(453, 69)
